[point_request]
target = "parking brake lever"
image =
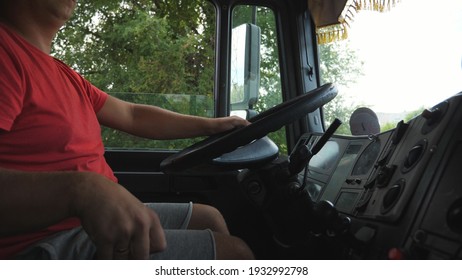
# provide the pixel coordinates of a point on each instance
(302, 155)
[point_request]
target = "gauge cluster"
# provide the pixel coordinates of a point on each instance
(400, 188)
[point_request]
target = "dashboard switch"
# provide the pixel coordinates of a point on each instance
(431, 116)
(384, 175)
(434, 116)
(401, 128)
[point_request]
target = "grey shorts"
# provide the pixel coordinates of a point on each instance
(174, 217)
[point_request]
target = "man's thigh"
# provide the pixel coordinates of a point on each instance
(173, 215)
(181, 243)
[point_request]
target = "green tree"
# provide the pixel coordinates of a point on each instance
(111, 43)
(408, 117)
(146, 51)
(143, 51)
(270, 79)
(340, 65)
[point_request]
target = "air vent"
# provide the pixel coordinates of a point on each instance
(392, 196)
(414, 155)
(454, 216)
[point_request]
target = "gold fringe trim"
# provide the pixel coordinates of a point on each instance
(337, 32)
(332, 33)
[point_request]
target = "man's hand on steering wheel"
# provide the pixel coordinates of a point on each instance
(260, 125)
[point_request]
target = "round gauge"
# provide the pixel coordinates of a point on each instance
(367, 159)
(364, 121)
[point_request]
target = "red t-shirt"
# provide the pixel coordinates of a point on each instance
(47, 122)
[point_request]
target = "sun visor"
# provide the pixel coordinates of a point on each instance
(332, 17)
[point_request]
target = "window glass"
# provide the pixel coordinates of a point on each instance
(263, 76)
(395, 63)
(160, 53)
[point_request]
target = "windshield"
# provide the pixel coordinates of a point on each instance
(396, 63)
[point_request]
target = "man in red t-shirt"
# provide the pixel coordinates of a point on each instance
(53, 175)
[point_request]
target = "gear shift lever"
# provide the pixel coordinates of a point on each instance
(292, 208)
(302, 155)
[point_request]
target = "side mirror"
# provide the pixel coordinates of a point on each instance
(245, 68)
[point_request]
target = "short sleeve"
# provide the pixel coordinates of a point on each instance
(97, 97)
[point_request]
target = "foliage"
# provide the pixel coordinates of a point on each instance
(339, 64)
(143, 51)
(388, 126)
(270, 79)
(408, 117)
(161, 52)
(342, 109)
(112, 43)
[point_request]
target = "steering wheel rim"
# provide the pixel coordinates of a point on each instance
(268, 121)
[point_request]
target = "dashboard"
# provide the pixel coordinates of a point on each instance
(401, 188)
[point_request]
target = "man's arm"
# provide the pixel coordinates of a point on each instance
(112, 217)
(157, 123)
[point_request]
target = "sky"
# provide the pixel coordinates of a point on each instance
(412, 55)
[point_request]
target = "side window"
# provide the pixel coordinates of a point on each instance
(254, 70)
(159, 53)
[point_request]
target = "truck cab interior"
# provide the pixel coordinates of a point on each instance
(293, 184)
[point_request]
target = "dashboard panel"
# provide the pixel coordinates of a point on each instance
(341, 169)
(400, 188)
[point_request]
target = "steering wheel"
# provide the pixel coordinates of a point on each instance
(268, 121)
